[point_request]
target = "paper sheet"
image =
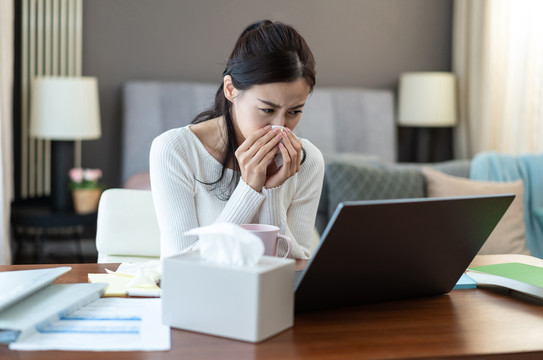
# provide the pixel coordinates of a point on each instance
(134, 279)
(107, 324)
(118, 285)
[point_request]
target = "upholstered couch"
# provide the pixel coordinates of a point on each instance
(358, 177)
(343, 123)
(362, 177)
(336, 120)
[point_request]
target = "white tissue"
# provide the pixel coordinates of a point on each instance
(278, 159)
(145, 273)
(228, 244)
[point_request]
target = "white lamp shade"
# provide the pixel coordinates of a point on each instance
(65, 108)
(427, 99)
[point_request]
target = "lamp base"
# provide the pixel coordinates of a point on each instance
(62, 160)
(425, 144)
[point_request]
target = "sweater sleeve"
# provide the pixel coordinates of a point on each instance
(294, 208)
(242, 205)
(173, 195)
(173, 183)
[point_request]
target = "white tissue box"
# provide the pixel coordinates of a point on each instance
(244, 303)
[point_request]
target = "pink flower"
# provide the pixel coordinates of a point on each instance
(76, 175)
(92, 174)
(85, 178)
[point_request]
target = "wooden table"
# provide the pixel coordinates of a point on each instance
(464, 323)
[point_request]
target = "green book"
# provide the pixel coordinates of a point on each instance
(527, 279)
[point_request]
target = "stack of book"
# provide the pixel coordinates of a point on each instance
(527, 279)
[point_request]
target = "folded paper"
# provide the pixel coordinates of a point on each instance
(134, 279)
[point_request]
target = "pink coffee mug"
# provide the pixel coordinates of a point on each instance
(270, 236)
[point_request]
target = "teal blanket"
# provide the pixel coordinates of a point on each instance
(491, 166)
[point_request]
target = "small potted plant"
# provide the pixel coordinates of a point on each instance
(86, 189)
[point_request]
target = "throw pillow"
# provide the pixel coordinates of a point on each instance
(349, 182)
(508, 236)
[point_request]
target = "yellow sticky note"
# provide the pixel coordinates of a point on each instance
(116, 284)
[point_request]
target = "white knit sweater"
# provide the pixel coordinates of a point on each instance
(179, 163)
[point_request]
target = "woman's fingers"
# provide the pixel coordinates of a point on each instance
(248, 143)
(291, 151)
(254, 155)
(261, 147)
(294, 148)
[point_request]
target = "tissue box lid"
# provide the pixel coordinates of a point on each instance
(265, 264)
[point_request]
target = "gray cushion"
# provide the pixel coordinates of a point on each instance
(350, 120)
(152, 107)
(349, 158)
(346, 182)
(451, 167)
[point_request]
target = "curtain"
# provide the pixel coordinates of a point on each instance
(6, 90)
(498, 59)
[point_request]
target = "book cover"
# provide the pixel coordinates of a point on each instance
(524, 278)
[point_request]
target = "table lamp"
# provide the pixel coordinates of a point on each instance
(427, 100)
(64, 109)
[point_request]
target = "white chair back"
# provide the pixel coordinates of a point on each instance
(127, 229)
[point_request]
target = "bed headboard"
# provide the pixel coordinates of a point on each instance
(336, 120)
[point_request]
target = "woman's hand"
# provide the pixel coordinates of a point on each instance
(255, 154)
(291, 150)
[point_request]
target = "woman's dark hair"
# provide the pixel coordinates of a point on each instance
(265, 52)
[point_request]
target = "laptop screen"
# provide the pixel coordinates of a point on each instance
(374, 251)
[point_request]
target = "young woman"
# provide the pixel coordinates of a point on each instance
(226, 166)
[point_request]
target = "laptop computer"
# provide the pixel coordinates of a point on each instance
(375, 251)
(16, 285)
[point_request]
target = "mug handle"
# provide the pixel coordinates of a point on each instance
(289, 242)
